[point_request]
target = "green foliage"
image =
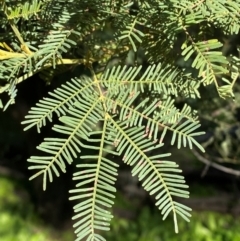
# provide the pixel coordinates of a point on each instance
(17, 219)
(204, 226)
(146, 225)
(118, 111)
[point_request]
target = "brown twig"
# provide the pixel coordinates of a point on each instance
(215, 165)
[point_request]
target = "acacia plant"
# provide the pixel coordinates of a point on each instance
(136, 53)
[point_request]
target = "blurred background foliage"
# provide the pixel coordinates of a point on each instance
(205, 226)
(19, 222)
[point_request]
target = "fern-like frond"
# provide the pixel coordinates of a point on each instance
(156, 113)
(208, 62)
(158, 176)
(132, 34)
(84, 116)
(95, 190)
(11, 68)
(156, 79)
(57, 42)
(63, 98)
(159, 115)
(226, 90)
(25, 10)
(222, 13)
(12, 92)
